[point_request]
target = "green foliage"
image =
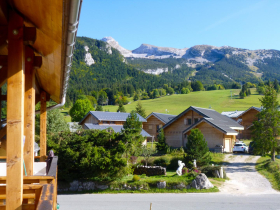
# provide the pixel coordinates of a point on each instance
(267, 129)
(197, 86)
(102, 97)
(136, 97)
(245, 91)
(146, 153)
(185, 91)
(99, 108)
(89, 154)
(132, 134)
(121, 108)
(80, 109)
(197, 149)
(92, 100)
(136, 178)
(162, 161)
(55, 122)
(140, 110)
(210, 170)
(161, 145)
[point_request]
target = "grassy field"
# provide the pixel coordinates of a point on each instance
(270, 170)
(220, 100)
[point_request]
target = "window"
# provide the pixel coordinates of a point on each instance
(189, 121)
(196, 120)
(105, 122)
(150, 127)
(112, 122)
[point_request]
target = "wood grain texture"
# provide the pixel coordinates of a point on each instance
(152, 122)
(29, 111)
(15, 113)
(43, 127)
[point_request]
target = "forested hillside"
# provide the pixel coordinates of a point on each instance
(109, 71)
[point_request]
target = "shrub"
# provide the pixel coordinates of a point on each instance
(135, 178)
(161, 145)
(197, 149)
(162, 161)
(209, 171)
(149, 163)
(174, 163)
(185, 170)
(133, 159)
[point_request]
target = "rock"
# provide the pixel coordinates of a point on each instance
(201, 182)
(102, 187)
(180, 186)
(161, 185)
(74, 186)
(88, 185)
(134, 188)
(189, 186)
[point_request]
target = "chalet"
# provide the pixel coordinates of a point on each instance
(155, 121)
(216, 128)
(103, 120)
(37, 40)
(246, 119)
(233, 115)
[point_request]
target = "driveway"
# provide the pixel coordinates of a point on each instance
(244, 179)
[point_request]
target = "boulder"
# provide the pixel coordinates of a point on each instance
(88, 186)
(74, 186)
(102, 187)
(180, 186)
(161, 185)
(201, 182)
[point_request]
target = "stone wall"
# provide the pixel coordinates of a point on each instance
(150, 170)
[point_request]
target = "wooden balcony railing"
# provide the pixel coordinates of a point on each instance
(39, 192)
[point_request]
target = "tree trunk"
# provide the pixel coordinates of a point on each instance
(273, 154)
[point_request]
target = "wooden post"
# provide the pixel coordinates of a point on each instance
(29, 111)
(0, 109)
(15, 107)
(43, 127)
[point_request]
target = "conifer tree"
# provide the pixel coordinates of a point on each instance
(140, 110)
(197, 149)
(121, 108)
(161, 145)
(267, 129)
(132, 134)
(99, 108)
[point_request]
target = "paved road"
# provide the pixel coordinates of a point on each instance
(188, 201)
(244, 179)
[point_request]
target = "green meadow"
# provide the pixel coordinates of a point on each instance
(219, 100)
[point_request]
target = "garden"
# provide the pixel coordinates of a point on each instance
(105, 161)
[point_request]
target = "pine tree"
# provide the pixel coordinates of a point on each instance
(276, 85)
(140, 110)
(161, 145)
(132, 134)
(197, 149)
(267, 129)
(121, 108)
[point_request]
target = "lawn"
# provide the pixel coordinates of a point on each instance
(65, 113)
(220, 100)
(270, 170)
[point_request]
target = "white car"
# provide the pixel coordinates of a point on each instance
(240, 147)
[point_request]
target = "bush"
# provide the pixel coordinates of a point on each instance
(185, 170)
(133, 159)
(89, 154)
(149, 163)
(174, 163)
(197, 149)
(162, 161)
(135, 178)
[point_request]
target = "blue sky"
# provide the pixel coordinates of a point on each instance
(251, 24)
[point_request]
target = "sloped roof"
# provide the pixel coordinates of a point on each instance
(252, 107)
(116, 128)
(111, 116)
(224, 123)
(165, 118)
(232, 114)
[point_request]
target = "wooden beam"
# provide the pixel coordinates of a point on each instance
(29, 111)
(15, 113)
(29, 35)
(43, 126)
(3, 69)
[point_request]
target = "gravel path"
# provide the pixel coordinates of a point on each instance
(244, 179)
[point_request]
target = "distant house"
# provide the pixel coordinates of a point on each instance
(246, 119)
(216, 128)
(102, 120)
(155, 121)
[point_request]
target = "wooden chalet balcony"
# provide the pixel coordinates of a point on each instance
(39, 192)
(37, 40)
